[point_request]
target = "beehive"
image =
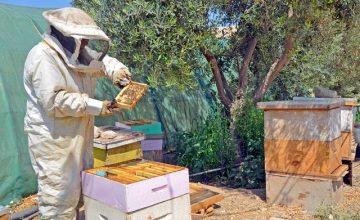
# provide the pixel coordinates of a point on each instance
(348, 112)
(135, 185)
(302, 137)
(124, 147)
(153, 143)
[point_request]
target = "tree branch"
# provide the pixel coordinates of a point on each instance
(275, 68)
(243, 77)
(217, 75)
(227, 87)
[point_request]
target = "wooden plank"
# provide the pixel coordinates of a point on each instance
(125, 174)
(166, 166)
(348, 147)
(154, 155)
(302, 157)
(298, 104)
(338, 174)
(203, 197)
(5, 217)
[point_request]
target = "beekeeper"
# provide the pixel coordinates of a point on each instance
(59, 76)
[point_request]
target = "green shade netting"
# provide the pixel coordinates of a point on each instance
(19, 32)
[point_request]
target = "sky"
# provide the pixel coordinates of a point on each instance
(39, 3)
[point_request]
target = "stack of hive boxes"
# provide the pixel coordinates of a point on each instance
(137, 190)
(153, 143)
(303, 152)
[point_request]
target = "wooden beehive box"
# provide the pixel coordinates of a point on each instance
(302, 137)
(124, 147)
(153, 143)
(348, 112)
(175, 209)
(135, 185)
(306, 191)
(130, 95)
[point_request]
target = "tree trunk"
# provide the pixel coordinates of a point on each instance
(215, 69)
(275, 69)
(243, 77)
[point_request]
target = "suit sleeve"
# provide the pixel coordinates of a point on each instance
(50, 88)
(111, 66)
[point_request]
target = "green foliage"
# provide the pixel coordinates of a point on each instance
(329, 56)
(338, 213)
(159, 38)
(249, 124)
(208, 146)
(357, 116)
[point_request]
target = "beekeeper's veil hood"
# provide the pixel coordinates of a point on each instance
(75, 23)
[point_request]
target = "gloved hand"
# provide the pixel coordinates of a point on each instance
(106, 109)
(122, 77)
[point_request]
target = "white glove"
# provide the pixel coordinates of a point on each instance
(122, 77)
(106, 109)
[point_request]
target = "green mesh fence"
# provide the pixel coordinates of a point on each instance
(19, 27)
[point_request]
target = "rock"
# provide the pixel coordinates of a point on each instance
(263, 209)
(321, 92)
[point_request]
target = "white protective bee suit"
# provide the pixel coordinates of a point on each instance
(60, 112)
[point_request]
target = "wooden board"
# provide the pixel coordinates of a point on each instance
(131, 95)
(5, 217)
(202, 197)
(154, 155)
(338, 174)
(316, 158)
(307, 192)
(137, 122)
(300, 105)
(348, 146)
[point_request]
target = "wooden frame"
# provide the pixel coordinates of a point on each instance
(130, 95)
(203, 197)
(135, 171)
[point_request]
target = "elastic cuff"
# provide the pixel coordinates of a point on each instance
(94, 106)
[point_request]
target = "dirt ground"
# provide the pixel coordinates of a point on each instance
(251, 204)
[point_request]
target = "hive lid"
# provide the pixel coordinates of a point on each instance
(123, 137)
(347, 101)
(301, 105)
